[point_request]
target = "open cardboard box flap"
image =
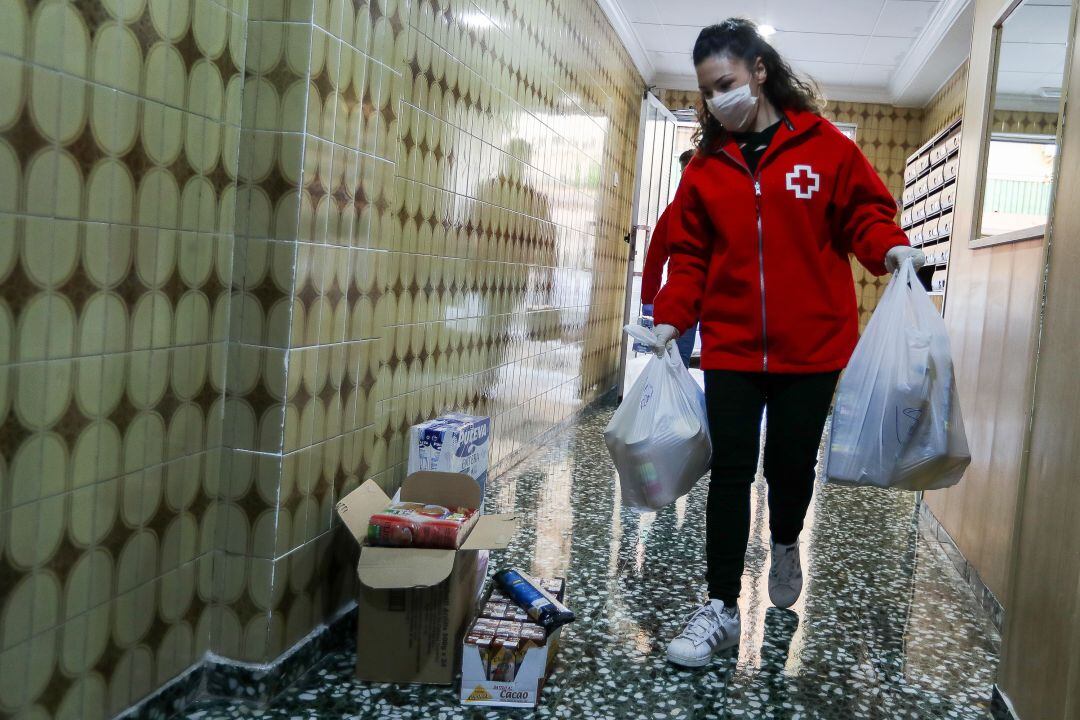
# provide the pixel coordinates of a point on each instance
(356, 508)
(491, 532)
(382, 568)
(390, 567)
(441, 488)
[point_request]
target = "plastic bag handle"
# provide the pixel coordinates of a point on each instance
(641, 334)
(647, 336)
(907, 274)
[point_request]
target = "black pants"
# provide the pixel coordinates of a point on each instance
(797, 408)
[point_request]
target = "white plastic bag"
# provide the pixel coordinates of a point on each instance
(897, 421)
(659, 435)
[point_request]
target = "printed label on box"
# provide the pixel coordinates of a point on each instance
(505, 662)
(454, 442)
(501, 695)
(521, 691)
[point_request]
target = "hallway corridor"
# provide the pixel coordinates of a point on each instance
(884, 629)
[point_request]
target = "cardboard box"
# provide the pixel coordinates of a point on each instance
(453, 443)
(523, 689)
(414, 603)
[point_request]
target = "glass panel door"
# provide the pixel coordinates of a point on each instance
(655, 184)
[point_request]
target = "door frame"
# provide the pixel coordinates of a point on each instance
(649, 102)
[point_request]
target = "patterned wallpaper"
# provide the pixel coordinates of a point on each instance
(240, 253)
(947, 104)
(678, 99)
(1025, 121)
(886, 135)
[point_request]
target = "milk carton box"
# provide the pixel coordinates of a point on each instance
(454, 442)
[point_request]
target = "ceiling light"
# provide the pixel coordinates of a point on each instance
(766, 30)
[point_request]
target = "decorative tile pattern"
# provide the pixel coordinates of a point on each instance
(1025, 122)
(886, 135)
(885, 628)
(240, 253)
(438, 230)
(118, 179)
(258, 684)
(176, 696)
(947, 104)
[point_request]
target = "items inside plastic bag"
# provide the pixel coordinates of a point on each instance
(897, 420)
(659, 435)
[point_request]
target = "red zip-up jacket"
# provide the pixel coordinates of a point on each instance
(652, 273)
(762, 258)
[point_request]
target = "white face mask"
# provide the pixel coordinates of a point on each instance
(735, 109)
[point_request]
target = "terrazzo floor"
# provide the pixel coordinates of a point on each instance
(884, 629)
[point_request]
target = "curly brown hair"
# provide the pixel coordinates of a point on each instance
(739, 38)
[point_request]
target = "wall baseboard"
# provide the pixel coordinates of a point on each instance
(171, 698)
(258, 684)
(993, 608)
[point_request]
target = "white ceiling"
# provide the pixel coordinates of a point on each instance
(1033, 55)
(898, 51)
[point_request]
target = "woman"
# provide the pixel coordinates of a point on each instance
(770, 208)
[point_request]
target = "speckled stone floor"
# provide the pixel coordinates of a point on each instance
(885, 628)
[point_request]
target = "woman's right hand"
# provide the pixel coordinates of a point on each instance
(664, 335)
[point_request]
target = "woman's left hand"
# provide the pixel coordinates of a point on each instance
(664, 335)
(897, 255)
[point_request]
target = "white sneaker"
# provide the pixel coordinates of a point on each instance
(785, 575)
(709, 630)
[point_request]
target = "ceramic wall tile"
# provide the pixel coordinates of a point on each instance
(120, 153)
(245, 249)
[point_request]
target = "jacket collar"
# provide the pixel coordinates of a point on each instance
(793, 123)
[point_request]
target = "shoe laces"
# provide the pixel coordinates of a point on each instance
(704, 622)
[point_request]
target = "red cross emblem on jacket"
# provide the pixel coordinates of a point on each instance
(803, 181)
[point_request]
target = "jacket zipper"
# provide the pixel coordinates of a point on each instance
(760, 234)
(761, 269)
(756, 179)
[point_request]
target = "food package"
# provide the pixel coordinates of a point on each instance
(503, 610)
(454, 442)
(414, 524)
(503, 645)
(556, 587)
(541, 606)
